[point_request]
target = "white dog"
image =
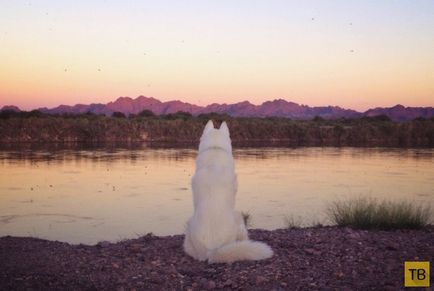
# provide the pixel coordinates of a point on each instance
(216, 232)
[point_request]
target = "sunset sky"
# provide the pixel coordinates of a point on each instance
(354, 54)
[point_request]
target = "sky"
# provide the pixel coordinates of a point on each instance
(353, 54)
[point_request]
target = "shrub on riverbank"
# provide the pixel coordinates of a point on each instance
(37, 127)
(367, 213)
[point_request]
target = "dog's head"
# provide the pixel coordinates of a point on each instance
(215, 138)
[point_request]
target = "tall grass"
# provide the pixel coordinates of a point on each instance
(369, 213)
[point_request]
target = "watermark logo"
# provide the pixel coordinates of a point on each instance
(416, 274)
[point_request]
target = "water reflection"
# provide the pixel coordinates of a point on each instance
(97, 155)
(92, 194)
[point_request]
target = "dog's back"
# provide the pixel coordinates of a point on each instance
(214, 186)
(215, 230)
(214, 180)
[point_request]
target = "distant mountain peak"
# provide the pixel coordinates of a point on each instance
(401, 113)
(278, 107)
(122, 98)
(10, 108)
(145, 98)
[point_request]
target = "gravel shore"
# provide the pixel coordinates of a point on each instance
(321, 258)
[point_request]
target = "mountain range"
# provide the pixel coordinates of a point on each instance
(277, 108)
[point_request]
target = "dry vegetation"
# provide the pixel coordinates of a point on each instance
(369, 213)
(181, 127)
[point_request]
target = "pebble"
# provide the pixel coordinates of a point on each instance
(103, 244)
(228, 282)
(260, 279)
(392, 246)
(135, 248)
(210, 285)
(311, 251)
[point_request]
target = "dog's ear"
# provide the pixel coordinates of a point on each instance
(208, 127)
(224, 128)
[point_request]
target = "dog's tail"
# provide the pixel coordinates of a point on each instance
(240, 250)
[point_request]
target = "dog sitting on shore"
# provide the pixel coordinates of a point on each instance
(216, 232)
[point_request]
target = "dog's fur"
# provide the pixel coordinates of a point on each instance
(216, 232)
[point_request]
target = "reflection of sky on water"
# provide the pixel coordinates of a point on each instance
(92, 195)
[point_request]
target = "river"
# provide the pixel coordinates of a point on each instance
(86, 196)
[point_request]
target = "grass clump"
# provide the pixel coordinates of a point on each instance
(369, 213)
(247, 218)
(292, 222)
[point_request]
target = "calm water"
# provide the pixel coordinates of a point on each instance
(89, 196)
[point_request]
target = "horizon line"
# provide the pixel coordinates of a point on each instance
(211, 103)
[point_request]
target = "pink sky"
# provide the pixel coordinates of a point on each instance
(353, 54)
